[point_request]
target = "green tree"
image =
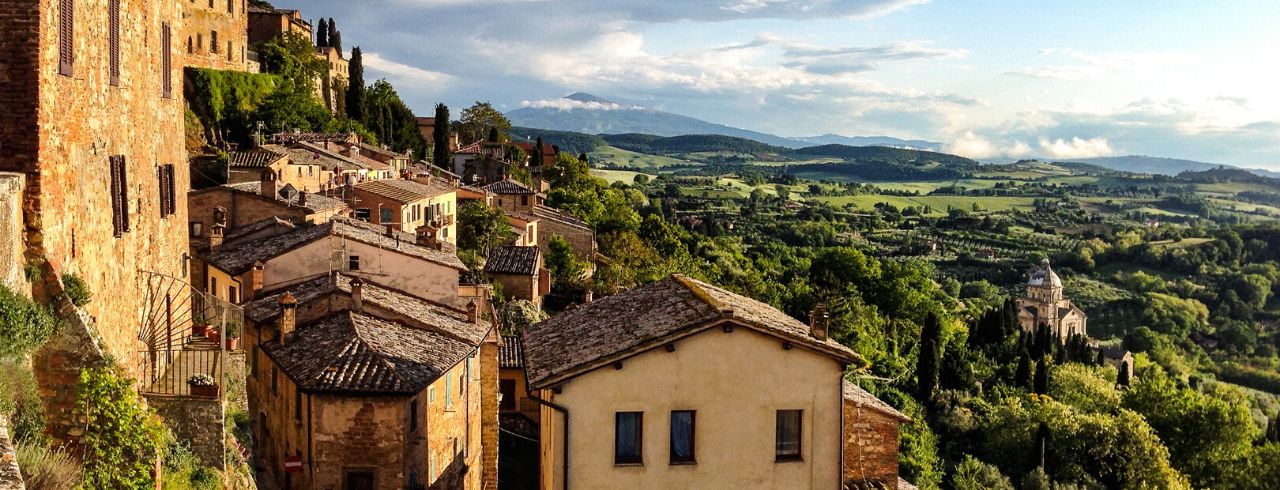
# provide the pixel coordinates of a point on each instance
(930, 358)
(562, 262)
(335, 37)
(440, 138)
(1042, 377)
(292, 58)
(482, 227)
(972, 474)
(478, 120)
(121, 439)
(1022, 376)
(357, 108)
(322, 33)
(392, 120)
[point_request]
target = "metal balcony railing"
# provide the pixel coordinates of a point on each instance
(185, 332)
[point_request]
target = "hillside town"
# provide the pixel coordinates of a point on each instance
(231, 261)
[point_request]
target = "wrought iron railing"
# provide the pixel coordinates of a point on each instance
(182, 372)
(185, 332)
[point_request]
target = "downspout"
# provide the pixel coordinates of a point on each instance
(559, 408)
(311, 467)
(840, 415)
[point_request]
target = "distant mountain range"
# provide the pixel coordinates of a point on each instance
(589, 114)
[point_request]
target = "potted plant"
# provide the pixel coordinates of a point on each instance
(232, 338)
(199, 327)
(202, 385)
(213, 335)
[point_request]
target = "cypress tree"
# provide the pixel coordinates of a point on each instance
(335, 37)
(1273, 429)
(1101, 359)
(440, 137)
(322, 33)
(583, 158)
(930, 357)
(493, 134)
(1122, 378)
(536, 161)
(355, 87)
(1022, 378)
(1042, 377)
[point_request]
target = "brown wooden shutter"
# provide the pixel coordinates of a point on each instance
(162, 179)
(66, 37)
(113, 19)
(124, 194)
(168, 196)
(166, 62)
(118, 204)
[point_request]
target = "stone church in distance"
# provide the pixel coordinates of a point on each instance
(1044, 304)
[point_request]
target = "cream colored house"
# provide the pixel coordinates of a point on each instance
(681, 384)
(1046, 305)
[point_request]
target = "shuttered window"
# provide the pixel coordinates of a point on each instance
(66, 36)
(168, 202)
(166, 61)
(113, 48)
(119, 196)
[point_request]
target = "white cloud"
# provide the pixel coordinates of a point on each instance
(1076, 147)
(403, 72)
(564, 105)
(978, 147)
(1094, 66)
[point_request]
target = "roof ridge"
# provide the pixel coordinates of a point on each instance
(698, 292)
(376, 353)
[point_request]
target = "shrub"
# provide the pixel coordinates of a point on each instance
(20, 402)
(24, 324)
(44, 468)
(76, 290)
(972, 474)
(121, 438)
(182, 470)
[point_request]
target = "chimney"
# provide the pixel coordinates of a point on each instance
(427, 237)
(473, 312)
(302, 198)
(391, 230)
(357, 295)
(255, 279)
(269, 182)
(591, 295)
(215, 236)
(818, 322)
(288, 315)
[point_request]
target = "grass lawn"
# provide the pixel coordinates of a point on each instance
(609, 155)
(624, 176)
(1185, 242)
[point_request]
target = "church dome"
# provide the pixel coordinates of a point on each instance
(1044, 276)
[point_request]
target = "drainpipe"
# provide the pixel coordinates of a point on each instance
(840, 414)
(311, 467)
(559, 408)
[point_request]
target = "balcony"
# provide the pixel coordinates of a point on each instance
(187, 335)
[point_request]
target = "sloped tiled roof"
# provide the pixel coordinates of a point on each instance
(863, 398)
(510, 356)
(333, 153)
(260, 157)
(241, 231)
(304, 155)
(401, 190)
(423, 312)
(238, 259)
(645, 317)
(350, 352)
(471, 149)
(511, 259)
(509, 186)
(312, 202)
(553, 214)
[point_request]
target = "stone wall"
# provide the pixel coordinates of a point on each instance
(10, 476)
(12, 248)
(489, 411)
(870, 445)
(196, 421)
(583, 241)
(58, 363)
(230, 20)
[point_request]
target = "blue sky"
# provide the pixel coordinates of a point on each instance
(1060, 79)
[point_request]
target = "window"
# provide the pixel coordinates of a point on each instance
(213, 286)
(113, 41)
(191, 45)
(119, 196)
(362, 214)
(297, 405)
(448, 392)
(197, 229)
(507, 387)
(787, 447)
(413, 415)
(431, 394)
(213, 41)
(353, 263)
(66, 36)
(231, 6)
(253, 365)
(385, 215)
(233, 294)
(682, 435)
(360, 479)
(627, 437)
(524, 200)
(166, 61)
(168, 199)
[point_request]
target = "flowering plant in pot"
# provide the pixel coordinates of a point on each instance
(232, 337)
(203, 385)
(199, 327)
(213, 335)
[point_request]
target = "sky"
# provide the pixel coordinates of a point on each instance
(988, 79)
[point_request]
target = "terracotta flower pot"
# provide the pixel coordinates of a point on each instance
(203, 391)
(213, 336)
(232, 343)
(199, 329)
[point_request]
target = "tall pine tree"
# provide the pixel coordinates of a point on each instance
(335, 37)
(322, 33)
(440, 137)
(1022, 377)
(1042, 377)
(1122, 378)
(536, 161)
(930, 358)
(356, 101)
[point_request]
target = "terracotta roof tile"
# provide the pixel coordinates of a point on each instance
(644, 318)
(312, 202)
(863, 398)
(356, 353)
(508, 187)
(261, 157)
(510, 355)
(511, 259)
(401, 190)
(238, 259)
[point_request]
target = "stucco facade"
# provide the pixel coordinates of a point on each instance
(412, 275)
(718, 374)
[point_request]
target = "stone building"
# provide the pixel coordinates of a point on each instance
(303, 170)
(425, 206)
(525, 205)
(236, 271)
(215, 35)
(691, 386)
(371, 387)
(871, 440)
(93, 118)
(237, 205)
(267, 23)
(333, 83)
(520, 271)
(1045, 305)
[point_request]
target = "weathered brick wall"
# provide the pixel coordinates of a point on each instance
(518, 286)
(489, 412)
(242, 208)
(19, 84)
(79, 122)
(230, 20)
(870, 445)
(199, 422)
(463, 423)
(360, 433)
